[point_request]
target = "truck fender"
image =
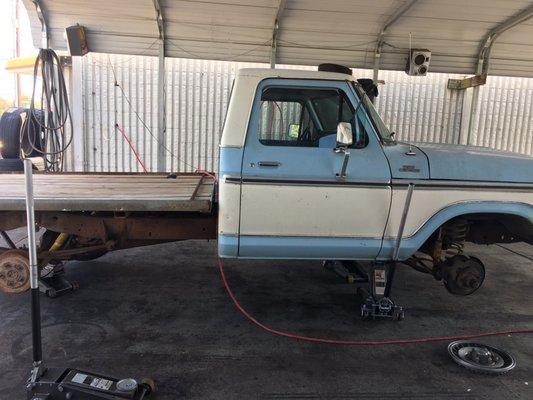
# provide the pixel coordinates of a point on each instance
(410, 244)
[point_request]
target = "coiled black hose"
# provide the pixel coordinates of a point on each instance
(57, 124)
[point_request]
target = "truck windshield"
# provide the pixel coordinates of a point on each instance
(382, 129)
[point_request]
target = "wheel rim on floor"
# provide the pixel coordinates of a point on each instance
(481, 357)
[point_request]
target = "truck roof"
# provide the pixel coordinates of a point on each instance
(264, 73)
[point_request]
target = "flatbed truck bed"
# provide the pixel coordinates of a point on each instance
(85, 215)
(114, 192)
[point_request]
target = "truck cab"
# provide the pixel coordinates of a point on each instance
(281, 189)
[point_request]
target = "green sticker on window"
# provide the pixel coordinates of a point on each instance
(294, 130)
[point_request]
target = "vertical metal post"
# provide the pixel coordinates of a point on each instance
(161, 110)
(18, 102)
(34, 273)
(274, 46)
(42, 20)
(79, 128)
(275, 28)
(377, 58)
(474, 104)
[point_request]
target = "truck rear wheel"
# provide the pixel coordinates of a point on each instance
(14, 271)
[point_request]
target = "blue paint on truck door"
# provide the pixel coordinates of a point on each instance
(293, 204)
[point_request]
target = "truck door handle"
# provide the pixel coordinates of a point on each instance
(269, 163)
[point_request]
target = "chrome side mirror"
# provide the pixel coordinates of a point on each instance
(344, 139)
(344, 134)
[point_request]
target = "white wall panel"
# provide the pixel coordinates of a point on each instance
(197, 92)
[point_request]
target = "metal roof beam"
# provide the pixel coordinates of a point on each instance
(44, 25)
(489, 39)
(275, 28)
(396, 15)
(159, 19)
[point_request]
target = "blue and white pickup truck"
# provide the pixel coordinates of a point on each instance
(308, 170)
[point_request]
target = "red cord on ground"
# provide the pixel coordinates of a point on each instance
(360, 342)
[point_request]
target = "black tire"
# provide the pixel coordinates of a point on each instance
(341, 69)
(11, 165)
(11, 126)
(369, 87)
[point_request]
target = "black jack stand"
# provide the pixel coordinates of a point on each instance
(381, 276)
(374, 287)
(378, 303)
(55, 283)
(66, 383)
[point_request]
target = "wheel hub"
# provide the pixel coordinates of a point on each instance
(481, 358)
(14, 272)
(463, 275)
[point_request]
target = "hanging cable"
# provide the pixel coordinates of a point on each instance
(56, 128)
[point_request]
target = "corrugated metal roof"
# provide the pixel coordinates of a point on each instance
(310, 31)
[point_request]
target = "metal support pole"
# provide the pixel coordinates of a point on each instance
(474, 104)
(161, 110)
(377, 59)
(44, 27)
(274, 47)
(18, 102)
(275, 29)
(34, 273)
(406, 207)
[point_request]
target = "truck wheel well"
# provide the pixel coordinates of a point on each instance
(487, 228)
(498, 228)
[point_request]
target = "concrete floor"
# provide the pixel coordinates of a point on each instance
(162, 312)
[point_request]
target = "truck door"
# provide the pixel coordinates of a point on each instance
(294, 203)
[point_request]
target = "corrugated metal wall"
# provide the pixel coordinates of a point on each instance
(504, 118)
(197, 92)
(421, 109)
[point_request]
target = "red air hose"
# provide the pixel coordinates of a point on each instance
(127, 138)
(359, 342)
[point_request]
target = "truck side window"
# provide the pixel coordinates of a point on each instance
(279, 121)
(305, 117)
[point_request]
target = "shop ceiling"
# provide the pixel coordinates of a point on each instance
(461, 34)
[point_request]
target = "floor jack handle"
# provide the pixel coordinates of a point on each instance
(34, 273)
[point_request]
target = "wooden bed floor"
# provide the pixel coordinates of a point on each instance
(109, 192)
